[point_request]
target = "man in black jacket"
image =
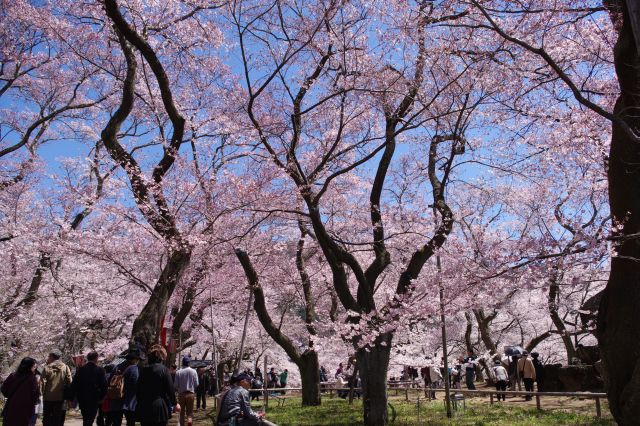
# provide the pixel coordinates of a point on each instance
(90, 388)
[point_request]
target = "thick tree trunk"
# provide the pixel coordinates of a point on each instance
(146, 327)
(310, 375)
(484, 329)
(618, 328)
(373, 365)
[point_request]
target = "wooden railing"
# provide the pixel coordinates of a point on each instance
(597, 396)
(328, 388)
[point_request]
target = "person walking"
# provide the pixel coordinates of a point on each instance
(426, 377)
(435, 379)
(256, 384)
(514, 377)
(126, 406)
(172, 371)
(90, 387)
(537, 364)
(186, 384)
(323, 374)
(56, 378)
(201, 390)
(155, 395)
(470, 370)
(527, 371)
(103, 418)
(283, 379)
(21, 391)
(273, 378)
(502, 377)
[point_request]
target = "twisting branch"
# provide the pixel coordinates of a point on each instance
(260, 306)
(577, 93)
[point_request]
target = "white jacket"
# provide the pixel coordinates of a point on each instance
(434, 373)
(501, 373)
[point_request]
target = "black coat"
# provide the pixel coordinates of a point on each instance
(90, 384)
(22, 393)
(539, 370)
(155, 394)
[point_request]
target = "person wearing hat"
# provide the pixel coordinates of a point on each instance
(470, 363)
(537, 364)
(236, 406)
(502, 377)
(527, 372)
(186, 384)
(126, 406)
(56, 377)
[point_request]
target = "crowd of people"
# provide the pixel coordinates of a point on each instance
(125, 392)
(149, 395)
(275, 380)
(507, 372)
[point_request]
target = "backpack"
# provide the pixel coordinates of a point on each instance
(115, 390)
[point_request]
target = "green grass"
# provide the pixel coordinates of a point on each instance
(337, 412)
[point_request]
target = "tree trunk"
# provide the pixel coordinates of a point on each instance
(558, 322)
(373, 363)
(307, 362)
(618, 317)
(467, 332)
(310, 375)
(484, 329)
(146, 327)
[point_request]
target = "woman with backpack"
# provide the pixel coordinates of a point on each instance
(21, 391)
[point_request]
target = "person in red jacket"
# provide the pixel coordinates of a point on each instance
(21, 391)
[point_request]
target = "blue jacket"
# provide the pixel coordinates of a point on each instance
(130, 376)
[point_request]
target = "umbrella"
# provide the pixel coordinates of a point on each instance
(200, 363)
(513, 350)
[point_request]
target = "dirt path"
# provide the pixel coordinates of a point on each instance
(200, 418)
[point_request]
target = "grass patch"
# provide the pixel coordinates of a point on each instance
(337, 412)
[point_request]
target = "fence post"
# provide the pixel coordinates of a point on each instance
(491, 398)
(406, 394)
(266, 389)
(598, 408)
(538, 402)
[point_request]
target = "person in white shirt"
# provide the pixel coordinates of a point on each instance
(186, 382)
(502, 377)
(341, 384)
(435, 379)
